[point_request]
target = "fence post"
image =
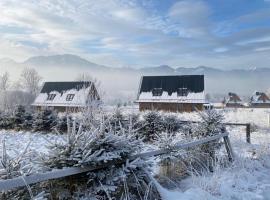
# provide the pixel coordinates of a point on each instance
(228, 148)
(248, 132)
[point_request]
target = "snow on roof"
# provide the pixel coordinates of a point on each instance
(233, 99)
(68, 94)
(259, 98)
(173, 98)
(172, 89)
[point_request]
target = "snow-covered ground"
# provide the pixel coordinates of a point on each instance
(248, 178)
(16, 142)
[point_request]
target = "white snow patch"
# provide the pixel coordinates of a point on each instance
(79, 100)
(173, 98)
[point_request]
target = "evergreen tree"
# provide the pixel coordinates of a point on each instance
(153, 125)
(28, 120)
(44, 120)
(210, 125)
(19, 117)
(97, 147)
(6, 121)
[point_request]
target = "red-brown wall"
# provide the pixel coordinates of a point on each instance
(171, 107)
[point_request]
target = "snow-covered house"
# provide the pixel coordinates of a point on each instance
(260, 100)
(183, 93)
(64, 96)
(234, 101)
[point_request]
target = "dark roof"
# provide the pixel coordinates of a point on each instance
(63, 86)
(233, 97)
(170, 84)
(261, 97)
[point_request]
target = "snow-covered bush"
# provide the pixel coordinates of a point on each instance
(171, 123)
(209, 125)
(117, 119)
(18, 117)
(19, 165)
(44, 120)
(22, 118)
(61, 124)
(28, 119)
(6, 120)
(98, 146)
(153, 126)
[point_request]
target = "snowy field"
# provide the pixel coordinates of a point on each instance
(258, 116)
(248, 178)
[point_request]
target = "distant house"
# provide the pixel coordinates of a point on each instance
(171, 93)
(234, 101)
(64, 96)
(260, 100)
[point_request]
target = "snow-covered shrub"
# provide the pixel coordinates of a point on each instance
(61, 124)
(117, 119)
(153, 126)
(18, 117)
(171, 123)
(44, 120)
(98, 146)
(133, 124)
(28, 119)
(6, 120)
(133, 118)
(18, 165)
(22, 118)
(209, 125)
(90, 115)
(173, 165)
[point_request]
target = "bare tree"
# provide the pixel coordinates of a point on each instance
(31, 80)
(4, 84)
(95, 81)
(4, 81)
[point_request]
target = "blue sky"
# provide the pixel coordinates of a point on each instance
(139, 33)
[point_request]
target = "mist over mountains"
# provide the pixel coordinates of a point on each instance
(123, 83)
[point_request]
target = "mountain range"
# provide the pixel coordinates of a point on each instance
(126, 80)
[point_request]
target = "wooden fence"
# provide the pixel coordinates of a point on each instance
(55, 174)
(247, 125)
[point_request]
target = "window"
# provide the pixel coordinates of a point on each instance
(183, 92)
(51, 97)
(157, 92)
(70, 97)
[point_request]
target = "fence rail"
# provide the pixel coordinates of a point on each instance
(247, 125)
(55, 174)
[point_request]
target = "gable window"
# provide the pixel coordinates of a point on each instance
(182, 92)
(70, 97)
(51, 97)
(157, 92)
